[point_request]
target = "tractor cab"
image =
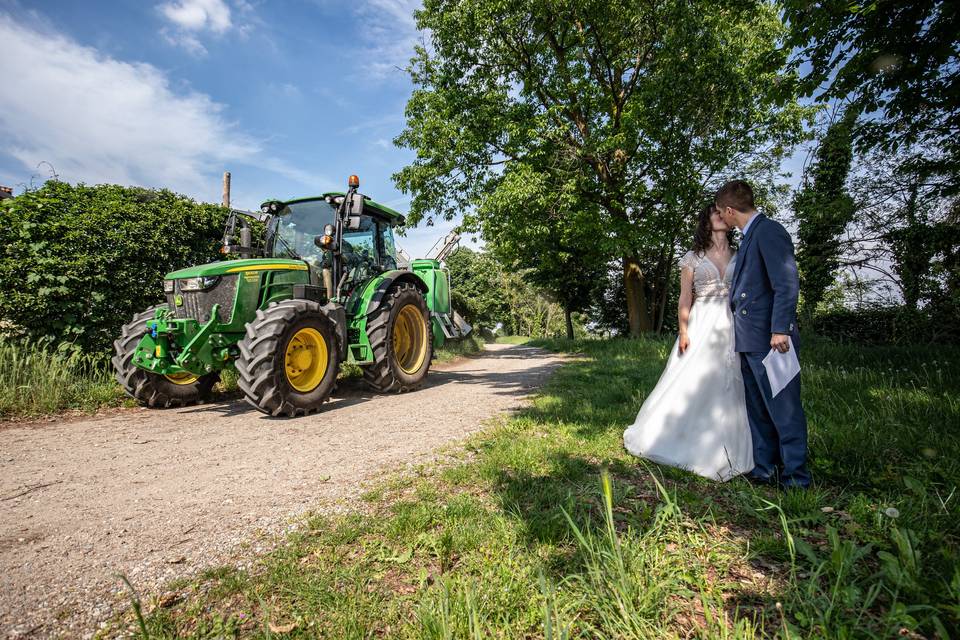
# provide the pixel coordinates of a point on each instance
(297, 228)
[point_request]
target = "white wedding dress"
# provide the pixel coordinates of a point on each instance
(696, 418)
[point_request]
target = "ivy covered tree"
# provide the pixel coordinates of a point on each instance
(641, 108)
(823, 209)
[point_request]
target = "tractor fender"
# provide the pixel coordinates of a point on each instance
(389, 279)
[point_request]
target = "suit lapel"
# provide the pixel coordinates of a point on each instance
(742, 253)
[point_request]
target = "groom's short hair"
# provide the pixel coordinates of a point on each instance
(736, 194)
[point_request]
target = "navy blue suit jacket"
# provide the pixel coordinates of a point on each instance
(765, 287)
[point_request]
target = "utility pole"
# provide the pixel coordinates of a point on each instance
(226, 189)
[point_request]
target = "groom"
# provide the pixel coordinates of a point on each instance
(763, 298)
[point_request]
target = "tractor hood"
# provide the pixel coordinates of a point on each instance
(238, 266)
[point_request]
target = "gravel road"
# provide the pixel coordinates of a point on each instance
(157, 495)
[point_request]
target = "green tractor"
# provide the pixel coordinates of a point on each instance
(323, 287)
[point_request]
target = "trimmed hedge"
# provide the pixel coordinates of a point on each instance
(888, 325)
(76, 262)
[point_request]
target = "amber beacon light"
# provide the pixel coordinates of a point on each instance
(354, 181)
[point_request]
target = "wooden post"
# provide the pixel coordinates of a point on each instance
(226, 189)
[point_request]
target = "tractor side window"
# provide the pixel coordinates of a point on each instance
(389, 247)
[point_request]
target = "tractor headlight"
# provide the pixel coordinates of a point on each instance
(198, 284)
(168, 286)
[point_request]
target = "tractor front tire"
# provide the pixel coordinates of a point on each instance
(399, 332)
(288, 359)
(152, 389)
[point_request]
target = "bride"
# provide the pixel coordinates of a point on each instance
(696, 418)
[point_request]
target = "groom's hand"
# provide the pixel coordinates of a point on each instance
(780, 342)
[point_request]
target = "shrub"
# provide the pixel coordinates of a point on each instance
(887, 325)
(77, 261)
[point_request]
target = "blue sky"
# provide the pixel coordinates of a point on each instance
(289, 96)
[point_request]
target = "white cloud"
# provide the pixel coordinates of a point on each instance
(391, 33)
(190, 19)
(98, 119)
(198, 15)
(189, 42)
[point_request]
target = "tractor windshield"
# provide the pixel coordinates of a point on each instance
(297, 225)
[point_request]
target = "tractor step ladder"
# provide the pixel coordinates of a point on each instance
(462, 324)
(453, 327)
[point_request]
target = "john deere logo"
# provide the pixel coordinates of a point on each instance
(178, 300)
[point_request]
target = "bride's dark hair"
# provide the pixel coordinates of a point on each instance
(703, 236)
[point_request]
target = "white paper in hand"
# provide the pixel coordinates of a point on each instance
(781, 368)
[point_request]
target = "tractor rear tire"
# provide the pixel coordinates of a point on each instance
(152, 389)
(288, 360)
(399, 332)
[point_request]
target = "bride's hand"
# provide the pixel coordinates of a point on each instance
(684, 343)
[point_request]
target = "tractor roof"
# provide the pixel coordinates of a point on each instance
(395, 217)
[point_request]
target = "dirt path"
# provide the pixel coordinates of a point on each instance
(160, 494)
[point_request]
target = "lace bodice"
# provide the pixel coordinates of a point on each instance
(707, 282)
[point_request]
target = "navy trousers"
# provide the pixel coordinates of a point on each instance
(777, 424)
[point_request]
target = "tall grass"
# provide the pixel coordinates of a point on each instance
(36, 379)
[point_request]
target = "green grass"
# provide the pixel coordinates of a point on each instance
(512, 339)
(36, 381)
(471, 345)
(543, 527)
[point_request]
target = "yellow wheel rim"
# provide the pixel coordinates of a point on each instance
(410, 339)
(306, 360)
(184, 377)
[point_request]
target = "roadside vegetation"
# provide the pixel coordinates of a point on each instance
(470, 345)
(38, 380)
(542, 526)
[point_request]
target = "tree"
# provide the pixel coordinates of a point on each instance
(823, 209)
(639, 108)
(906, 230)
(475, 287)
(554, 239)
(896, 62)
(487, 293)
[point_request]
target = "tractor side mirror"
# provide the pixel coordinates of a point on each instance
(353, 209)
(245, 247)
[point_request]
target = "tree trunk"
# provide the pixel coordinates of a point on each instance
(638, 313)
(662, 302)
(568, 317)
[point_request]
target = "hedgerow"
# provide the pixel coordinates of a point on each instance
(77, 261)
